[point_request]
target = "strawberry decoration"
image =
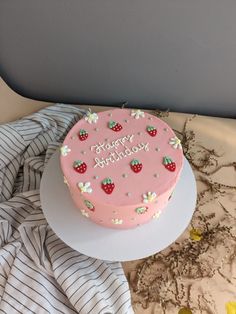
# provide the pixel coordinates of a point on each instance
(169, 164)
(152, 131)
(115, 126)
(108, 185)
(83, 135)
(80, 166)
(136, 165)
(89, 205)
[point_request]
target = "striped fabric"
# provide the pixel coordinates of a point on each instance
(38, 272)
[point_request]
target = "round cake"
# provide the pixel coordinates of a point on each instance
(121, 166)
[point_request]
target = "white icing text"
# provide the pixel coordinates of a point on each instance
(116, 156)
(114, 144)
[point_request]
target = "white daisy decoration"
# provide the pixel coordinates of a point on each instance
(175, 143)
(85, 187)
(65, 150)
(84, 213)
(149, 197)
(137, 113)
(65, 181)
(91, 117)
(117, 221)
(156, 215)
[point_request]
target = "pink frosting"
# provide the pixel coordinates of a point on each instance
(119, 209)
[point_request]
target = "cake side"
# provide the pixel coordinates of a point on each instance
(122, 217)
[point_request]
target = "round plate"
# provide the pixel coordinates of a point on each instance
(95, 241)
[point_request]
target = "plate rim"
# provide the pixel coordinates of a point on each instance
(54, 162)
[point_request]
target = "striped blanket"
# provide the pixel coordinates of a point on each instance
(38, 272)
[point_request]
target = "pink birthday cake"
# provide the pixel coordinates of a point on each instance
(121, 166)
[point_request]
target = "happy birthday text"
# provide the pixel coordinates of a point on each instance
(116, 155)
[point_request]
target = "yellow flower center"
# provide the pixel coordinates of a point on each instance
(185, 310)
(231, 307)
(195, 234)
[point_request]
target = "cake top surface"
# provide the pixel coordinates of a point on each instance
(121, 157)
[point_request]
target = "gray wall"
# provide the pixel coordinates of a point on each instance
(179, 54)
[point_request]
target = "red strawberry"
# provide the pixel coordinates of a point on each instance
(136, 165)
(80, 166)
(108, 186)
(115, 126)
(83, 135)
(169, 164)
(152, 131)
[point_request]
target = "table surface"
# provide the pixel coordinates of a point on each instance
(198, 271)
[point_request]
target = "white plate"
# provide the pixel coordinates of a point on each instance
(110, 244)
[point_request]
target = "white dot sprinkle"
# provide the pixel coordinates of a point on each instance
(156, 175)
(140, 133)
(126, 121)
(124, 175)
(83, 152)
(157, 149)
(128, 194)
(73, 137)
(150, 118)
(95, 177)
(96, 129)
(110, 114)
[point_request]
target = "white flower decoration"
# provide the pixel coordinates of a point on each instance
(84, 213)
(156, 215)
(117, 221)
(65, 181)
(137, 113)
(91, 117)
(65, 150)
(85, 187)
(149, 197)
(175, 143)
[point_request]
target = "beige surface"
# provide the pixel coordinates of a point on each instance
(197, 272)
(14, 106)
